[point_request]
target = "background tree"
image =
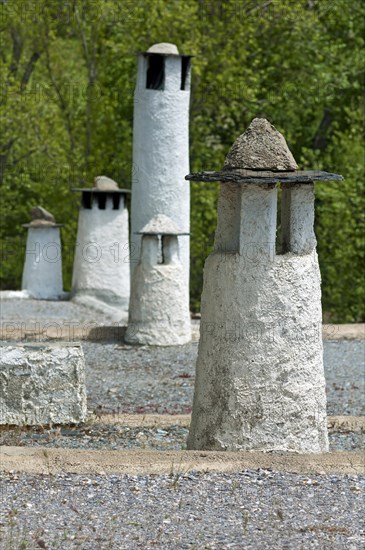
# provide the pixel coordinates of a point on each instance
(67, 77)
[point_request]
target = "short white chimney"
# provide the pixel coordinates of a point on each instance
(42, 273)
(159, 313)
(101, 272)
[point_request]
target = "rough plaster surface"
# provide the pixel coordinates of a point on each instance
(102, 261)
(260, 380)
(42, 273)
(42, 384)
(259, 376)
(297, 218)
(159, 313)
(260, 147)
(161, 157)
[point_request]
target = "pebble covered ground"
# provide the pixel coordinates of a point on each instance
(151, 379)
(252, 509)
(102, 436)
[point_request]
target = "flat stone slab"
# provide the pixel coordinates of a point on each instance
(264, 177)
(42, 384)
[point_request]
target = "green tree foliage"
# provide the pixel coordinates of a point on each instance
(66, 107)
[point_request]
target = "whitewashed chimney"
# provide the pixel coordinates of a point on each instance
(159, 313)
(161, 146)
(42, 272)
(259, 377)
(101, 271)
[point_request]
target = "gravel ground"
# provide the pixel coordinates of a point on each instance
(345, 377)
(151, 379)
(140, 379)
(253, 509)
(101, 436)
(42, 311)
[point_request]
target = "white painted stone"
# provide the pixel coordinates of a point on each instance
(42, 273)
(161, 153)
(159, 312)
(42, 384)
(259, 377)
(101, 273)
(297, 219)
(14, 295)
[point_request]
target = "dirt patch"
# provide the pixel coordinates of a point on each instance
(52, 461)
(354, 331)
(62, 331)
(346, 424)
(144, 420)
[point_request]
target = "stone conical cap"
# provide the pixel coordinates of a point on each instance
(260, 147)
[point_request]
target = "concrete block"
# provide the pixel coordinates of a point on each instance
(42, 384)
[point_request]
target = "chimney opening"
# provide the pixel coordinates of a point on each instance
(185, 71)
(86, 200)
(101, 201)
(160, 257)
(155, 72)
(116, 201)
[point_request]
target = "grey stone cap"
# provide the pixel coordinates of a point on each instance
(264, 177)
(42, 224)
(96, 190)
(161, 225)
(105, 184)
(163, 48)
(40, 213)
(41, 218)
(147, 54)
